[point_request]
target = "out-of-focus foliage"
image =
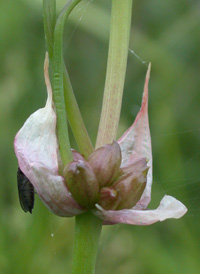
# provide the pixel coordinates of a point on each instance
(163, 32)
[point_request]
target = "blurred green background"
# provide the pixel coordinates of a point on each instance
(163, 32)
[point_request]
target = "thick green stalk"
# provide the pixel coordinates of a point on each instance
(87, 234)
(116, 69)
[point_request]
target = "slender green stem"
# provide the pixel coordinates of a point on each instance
(75, 118)
(73, 113)
(71, 106)
(116, 69)
(49, 14)
(58, 94)
(58, 91)
(87, 234)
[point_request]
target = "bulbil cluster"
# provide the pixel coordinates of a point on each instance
(101, 180)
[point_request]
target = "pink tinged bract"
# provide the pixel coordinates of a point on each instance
(135, 144)
(169, 208)
(37, 151)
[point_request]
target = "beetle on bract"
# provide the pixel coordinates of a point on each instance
(26, 192)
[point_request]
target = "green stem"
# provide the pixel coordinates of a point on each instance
(87, 234)
(75, 119)
(58, 91)
(72, 110)
(49, 15)
(116, 69)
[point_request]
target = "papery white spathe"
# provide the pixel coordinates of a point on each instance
(37, 151)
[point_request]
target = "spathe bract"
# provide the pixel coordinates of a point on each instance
(36, 148)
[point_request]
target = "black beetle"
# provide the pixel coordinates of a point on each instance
(26, 191)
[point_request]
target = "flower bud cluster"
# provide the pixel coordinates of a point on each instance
(101, 180)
